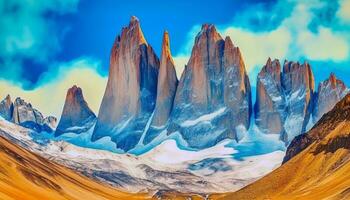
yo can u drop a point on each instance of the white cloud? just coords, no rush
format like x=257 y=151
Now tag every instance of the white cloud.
x=325 y=45
x=292 y=39
x=344 y=10
x=50 y=97
x=180 y=61
x=257 y=47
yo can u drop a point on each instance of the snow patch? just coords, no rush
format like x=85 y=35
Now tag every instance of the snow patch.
x=203 y=118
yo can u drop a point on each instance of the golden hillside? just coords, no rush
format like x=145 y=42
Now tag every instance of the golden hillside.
x=25 y=176
x=320 y=171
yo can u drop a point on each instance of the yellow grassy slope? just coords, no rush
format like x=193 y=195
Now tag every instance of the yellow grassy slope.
x=309 y=175
x=26 y=176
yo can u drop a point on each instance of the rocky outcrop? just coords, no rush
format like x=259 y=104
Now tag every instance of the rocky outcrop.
x=76 y=116
x=270 y=100
x=298 y=85
x=284 y=101
x=27 y=116
x=131 y=91
x=6 y=108
x=328 y=94
x=213 y=97
x=49 y=124
x=328 y=122
x=166 y=89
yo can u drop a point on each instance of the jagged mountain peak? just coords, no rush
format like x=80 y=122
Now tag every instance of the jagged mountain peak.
x=228 y=43
x=131 y=89
x=166 y=89
x=271 y=66
x=214 y=78
x=76 y=113
x=208 y=33
x=24 y=114
x=8 y=98
x=6 y=108
x=166 y=53
x=75 y=92
x=329 y=92
x=133 y=31
x=334 y=81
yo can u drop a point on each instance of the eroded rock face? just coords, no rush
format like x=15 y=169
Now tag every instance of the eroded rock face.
x=76 y=116
x=166 y=89
x=270 y=100
x=6 y=108
x=25 y=115
x=328 y=94
x=49 y=124
x=131 y=91
x=284 y=102
x=298 y=85
x=213 y=97
x=340 y=113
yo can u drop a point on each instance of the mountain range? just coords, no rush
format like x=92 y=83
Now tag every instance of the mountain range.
x=211 y=102
x=201 y=134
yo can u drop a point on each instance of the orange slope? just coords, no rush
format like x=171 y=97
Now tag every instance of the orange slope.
x=25 y=176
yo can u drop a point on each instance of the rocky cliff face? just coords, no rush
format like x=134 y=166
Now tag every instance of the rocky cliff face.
x=22 y=113
x=328 y=122
x=270 y=100
x=213 y=97
x=131 y=91
x=328 y=94
x=166 y=89
x=298 y=84
x=76 y=116
x=6 y=108
x=284 y=100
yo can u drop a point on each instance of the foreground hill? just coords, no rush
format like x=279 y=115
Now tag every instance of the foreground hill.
x=320 y=171
x=25 y=175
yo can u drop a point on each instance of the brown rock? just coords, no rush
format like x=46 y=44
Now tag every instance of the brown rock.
x=166 y=89
x=76 y=116
x=131 y=90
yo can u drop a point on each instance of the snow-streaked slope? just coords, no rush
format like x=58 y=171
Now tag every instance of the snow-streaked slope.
x=25 y=175
x=162 y=167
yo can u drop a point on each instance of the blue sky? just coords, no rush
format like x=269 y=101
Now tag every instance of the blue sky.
x=44 y=44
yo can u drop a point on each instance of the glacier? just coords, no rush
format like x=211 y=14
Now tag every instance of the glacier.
x=160 y=165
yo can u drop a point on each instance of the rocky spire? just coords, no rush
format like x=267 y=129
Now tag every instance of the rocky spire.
x=76 y=116
x=214 y=83
x=298 y=85
x=131 y=89
x=6 y=108
x=269 y=106
x=167 y=84
x=329 y=92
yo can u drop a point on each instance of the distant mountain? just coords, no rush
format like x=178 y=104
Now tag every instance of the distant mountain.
x=329 y=92
x=22 y=113
x=76 y=116
x=317 y=163
x=284 y=99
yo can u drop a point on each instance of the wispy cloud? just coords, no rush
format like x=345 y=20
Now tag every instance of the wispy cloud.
x=50 y=97
x=289 y=37
x=29 y=32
